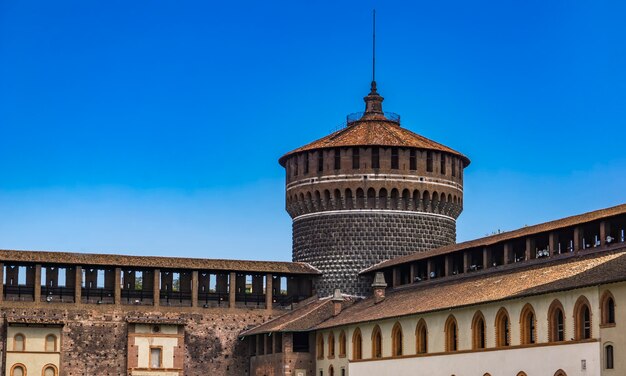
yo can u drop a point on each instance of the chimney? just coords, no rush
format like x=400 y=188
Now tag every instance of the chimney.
x=337 y=300
x=379 y=287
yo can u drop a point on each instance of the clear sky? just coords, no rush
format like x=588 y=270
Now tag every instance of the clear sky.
x=154 y=128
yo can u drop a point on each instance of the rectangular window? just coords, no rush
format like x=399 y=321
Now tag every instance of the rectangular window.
x=337 y=159
x=453 y=167
x=443 y=164
x=356 y=161
x=320 y=161
x=394 y=158
x=306 y=163
x=429 y=161
x=375 y=157
x=156 y=357
x=413 y=160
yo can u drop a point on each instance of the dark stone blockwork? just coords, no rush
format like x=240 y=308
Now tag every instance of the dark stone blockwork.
x=341 y=245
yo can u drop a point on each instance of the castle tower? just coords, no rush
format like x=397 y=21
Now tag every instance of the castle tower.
x=370 y=192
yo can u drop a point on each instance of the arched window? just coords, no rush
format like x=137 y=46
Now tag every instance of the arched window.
x=503 y=328
x=556 y=322
x=560 y=373
x=357 y=345
x=349 y=199
x=51 y=343
x=395 y=198
x=582 y=319
x=521 y=373
x=342 y=344
x=18 y=370
x=528 y=325
x=396 y=340
x=19 y=342
x=320 y=346
x=331 y=345
x=50 y=370
x=451 y=328
x=377 y=343
x=331 y=371
x=607 y=307
x=360 y=198
x=608 y=357
x=421 y=337
x=479 y=340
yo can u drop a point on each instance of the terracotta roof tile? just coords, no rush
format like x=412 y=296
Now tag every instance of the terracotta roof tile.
x=490 y=240
x=558 y=275
x=156 y=262
x=378 y=132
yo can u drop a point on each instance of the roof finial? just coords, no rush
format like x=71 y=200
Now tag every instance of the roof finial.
x=374 y=51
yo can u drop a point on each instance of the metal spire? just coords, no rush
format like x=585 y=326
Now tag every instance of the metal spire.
x=374 y=47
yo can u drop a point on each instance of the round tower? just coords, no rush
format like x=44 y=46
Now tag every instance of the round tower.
x=370 y=192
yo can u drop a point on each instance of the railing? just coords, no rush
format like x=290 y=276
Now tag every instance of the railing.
x=356 y=116
x=137 y=297
x=288 y=300
x=97 y=295
x=53 y=294
x=209 y=299
x=246 y=299
x=19 y=292
x=176 y=298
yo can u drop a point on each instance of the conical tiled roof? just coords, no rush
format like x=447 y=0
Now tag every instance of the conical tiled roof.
x=374 y=129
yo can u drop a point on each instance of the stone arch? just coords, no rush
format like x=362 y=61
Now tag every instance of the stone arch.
x=327 y=201
x=377 y=343
x=382 y=199
x=371 y=198
x=556 y=322
x=607 y=308
x=528 y=325
x=452 y=334
x=397 y=340
x=503 y=328
x=417 y=199
x=582 y=319
x=357 y=345
x=434 y=204
x=349 y=199
x=421 y=337
x=560 y=373
x=360 y=198
x=395 y=195
x=425 y=201
x=318 y=200
x=309 y=202
x=338 y=204
x=406 y=199
x=479 y=331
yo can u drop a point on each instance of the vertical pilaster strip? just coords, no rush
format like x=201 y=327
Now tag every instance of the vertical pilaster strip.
x=78 y=284
x=412 y=272
x=578 y=238
x=486 y=258
x=605 y=230
x=37 y=284
x=466 y=261
x=429 y=268
x=117 y=286
x=553 y=243
x=194 y=288
x=232 y=289
x=448 y=265
x=268 y=291
x=507 y=253
x=156 y=288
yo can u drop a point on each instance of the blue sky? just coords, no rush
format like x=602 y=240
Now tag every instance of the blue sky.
x=154 y=128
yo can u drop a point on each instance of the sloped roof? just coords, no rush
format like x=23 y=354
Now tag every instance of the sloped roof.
x=300 y=319
x=490 y=240
x=557 y=275
x=47 y=257
x=376 y=131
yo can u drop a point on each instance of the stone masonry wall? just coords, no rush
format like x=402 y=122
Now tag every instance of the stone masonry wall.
x=342 y=244
x=94 y=340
